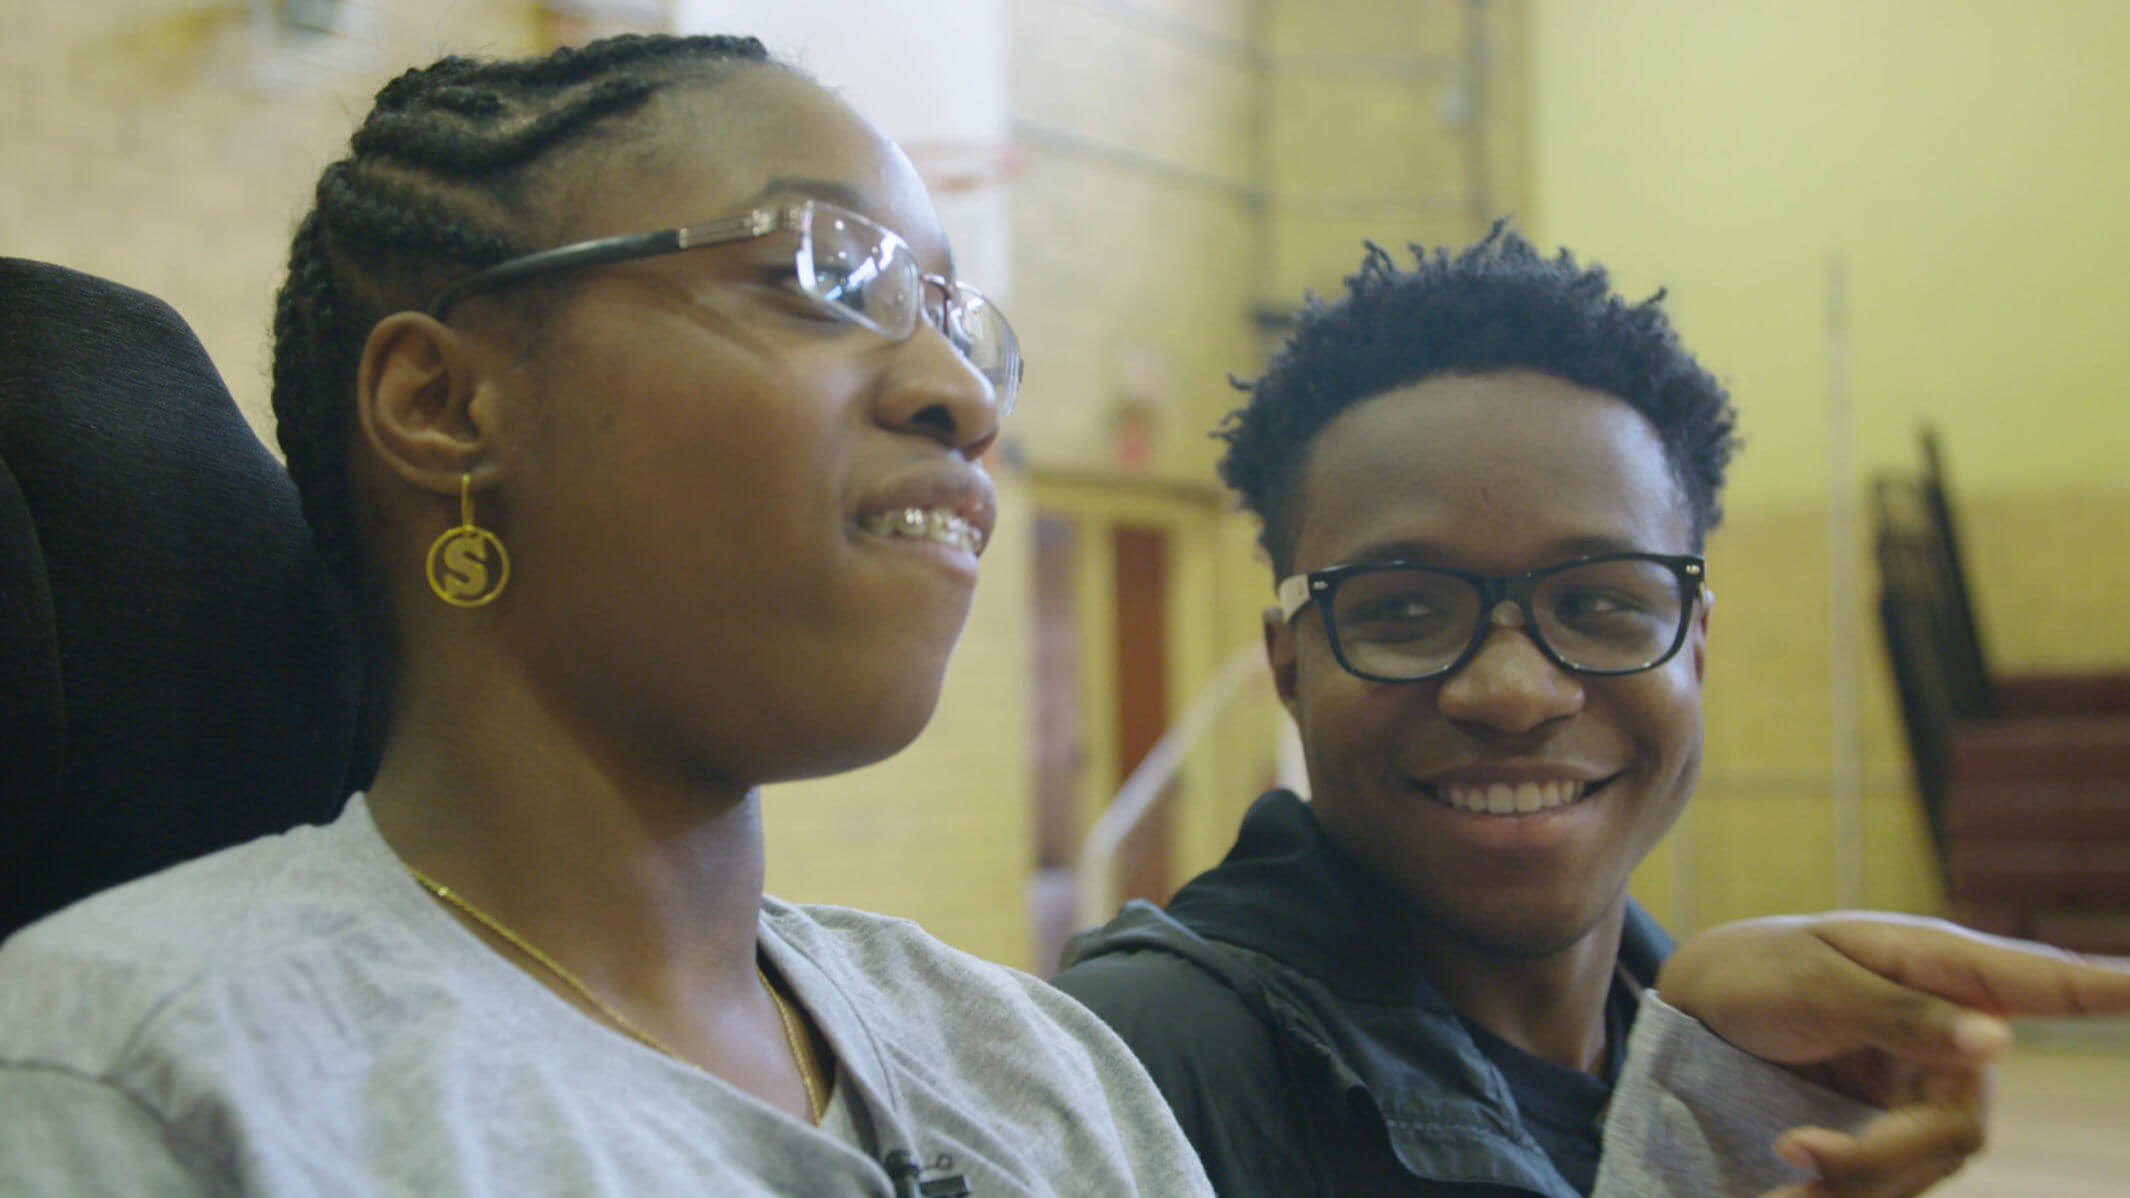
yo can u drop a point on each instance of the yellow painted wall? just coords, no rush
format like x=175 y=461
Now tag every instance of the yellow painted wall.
x=1965 y=162
x=1968 y=159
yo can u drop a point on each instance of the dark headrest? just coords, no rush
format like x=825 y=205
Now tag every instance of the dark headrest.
x=177 y=672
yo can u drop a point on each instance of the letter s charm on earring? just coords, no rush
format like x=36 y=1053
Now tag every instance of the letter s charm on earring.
x=468 y=566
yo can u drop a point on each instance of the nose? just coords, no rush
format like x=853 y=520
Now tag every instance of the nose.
x=1509 y=685
x=931 y=390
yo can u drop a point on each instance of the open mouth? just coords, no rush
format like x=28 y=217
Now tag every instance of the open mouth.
x=937 y=525
x=1512 y=798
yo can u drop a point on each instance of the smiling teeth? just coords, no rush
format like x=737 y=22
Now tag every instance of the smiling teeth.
x=1501 y=798
x=925 y=524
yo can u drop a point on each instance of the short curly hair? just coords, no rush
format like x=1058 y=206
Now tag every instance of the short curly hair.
x=1497 y=305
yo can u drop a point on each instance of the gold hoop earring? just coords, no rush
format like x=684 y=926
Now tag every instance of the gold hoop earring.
x=468 y=566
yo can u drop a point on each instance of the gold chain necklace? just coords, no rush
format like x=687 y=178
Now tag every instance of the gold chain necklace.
x=800 y=1058
x=626 y=1024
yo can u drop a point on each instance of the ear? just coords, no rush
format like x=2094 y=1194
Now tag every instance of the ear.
x=426 y=401
x=1280 y=655
x=1699 y=633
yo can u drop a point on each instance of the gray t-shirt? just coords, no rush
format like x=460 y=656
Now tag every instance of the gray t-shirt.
x=1692 y=1116
x=295 y=1016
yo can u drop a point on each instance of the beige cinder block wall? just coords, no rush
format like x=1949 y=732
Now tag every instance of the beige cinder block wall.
x=1193 y=165
x=171 y=145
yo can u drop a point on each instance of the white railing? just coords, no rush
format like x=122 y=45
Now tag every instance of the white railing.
x=1095 y=881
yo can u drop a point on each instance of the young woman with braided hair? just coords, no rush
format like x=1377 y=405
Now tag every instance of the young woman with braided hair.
x=634 y=531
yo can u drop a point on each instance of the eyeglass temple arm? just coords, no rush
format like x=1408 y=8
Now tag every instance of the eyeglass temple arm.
x=568 y=257
x=604 y=249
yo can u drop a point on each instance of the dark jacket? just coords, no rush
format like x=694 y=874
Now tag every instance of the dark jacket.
x=1303 y=1051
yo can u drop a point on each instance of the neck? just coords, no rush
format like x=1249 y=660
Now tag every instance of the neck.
x=594 y=832
x=1550 y=1004
x=648 y=887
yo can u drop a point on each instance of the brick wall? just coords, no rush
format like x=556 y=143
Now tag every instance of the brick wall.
x=172 y=145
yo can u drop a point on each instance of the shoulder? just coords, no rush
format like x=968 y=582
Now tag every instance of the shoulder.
x=1172 y=993
x=903 y=973
x=1225 y=1069
x=1190 y=1026
x=79 y=988
x=936 y=991
x=862 y=935
x=887 y=952
x=991 y=1050
x=1166 y=1004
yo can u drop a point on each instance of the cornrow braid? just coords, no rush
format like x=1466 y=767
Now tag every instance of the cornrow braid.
x=1497 y=305
x=482 y=138
x=459 y=165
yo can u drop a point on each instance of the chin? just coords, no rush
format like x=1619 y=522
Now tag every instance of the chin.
x=872 y=730
x=1519 y=942
x=1522 y=932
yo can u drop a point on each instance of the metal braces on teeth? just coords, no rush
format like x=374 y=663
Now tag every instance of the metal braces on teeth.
x=919 y=523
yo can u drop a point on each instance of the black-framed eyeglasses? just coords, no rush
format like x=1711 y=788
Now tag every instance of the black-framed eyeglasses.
x=850 y=266
x=1615 y=613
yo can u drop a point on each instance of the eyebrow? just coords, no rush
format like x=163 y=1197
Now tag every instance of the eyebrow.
x=1431 y=554
x=839 y=193
x=835 y=191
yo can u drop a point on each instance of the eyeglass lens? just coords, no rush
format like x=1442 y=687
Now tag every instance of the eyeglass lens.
x=871 y=276
x=1411 y=622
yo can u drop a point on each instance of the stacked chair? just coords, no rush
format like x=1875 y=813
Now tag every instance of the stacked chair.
x=177 y=670
x=2025 y=779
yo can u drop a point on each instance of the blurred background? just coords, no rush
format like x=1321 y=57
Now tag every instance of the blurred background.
x=1871 y=218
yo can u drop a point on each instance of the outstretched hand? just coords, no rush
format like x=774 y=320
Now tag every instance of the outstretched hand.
x=1901 y=1012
